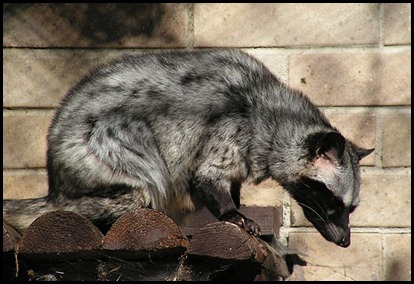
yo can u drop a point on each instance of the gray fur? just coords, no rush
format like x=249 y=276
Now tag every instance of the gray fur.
x=177 y=130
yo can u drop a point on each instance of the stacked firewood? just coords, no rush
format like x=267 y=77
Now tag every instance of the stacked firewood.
x=141 y=245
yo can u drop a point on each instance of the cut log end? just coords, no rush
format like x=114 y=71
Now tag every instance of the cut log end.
x=60 y=231
x=223 y=240
x=227 y=241
x=217 y=251
x=144 y=229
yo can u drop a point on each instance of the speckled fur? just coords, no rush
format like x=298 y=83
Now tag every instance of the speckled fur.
x=177 y=130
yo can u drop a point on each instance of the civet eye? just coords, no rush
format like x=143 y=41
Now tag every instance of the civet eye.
x=331 y=212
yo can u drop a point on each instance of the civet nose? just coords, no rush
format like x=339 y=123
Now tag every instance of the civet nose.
x=345 y=241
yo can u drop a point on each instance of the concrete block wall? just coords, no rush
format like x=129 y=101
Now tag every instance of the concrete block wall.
x=352 y=60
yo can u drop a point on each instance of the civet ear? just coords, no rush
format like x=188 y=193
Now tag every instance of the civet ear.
x=362 y=152
x=332 y=145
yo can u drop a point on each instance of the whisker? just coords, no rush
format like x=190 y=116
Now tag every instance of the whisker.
x=323 y=211
x=304 y=184
x=316 y=202
x=310 y=208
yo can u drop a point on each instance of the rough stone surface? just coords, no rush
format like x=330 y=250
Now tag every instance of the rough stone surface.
x=396 y=140
x=30 y=184
x=398 y=257
x=116 y=25
x=40 y=78
x=271 y=24
x=362 y=260
x=397 y=26
x=267 y=193
x=24 y=141
x=353 y=79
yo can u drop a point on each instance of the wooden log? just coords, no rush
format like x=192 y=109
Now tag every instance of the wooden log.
x=144 y=230
x=60 y=232
x=224 y=240
x=141 y=245
x=232 y=247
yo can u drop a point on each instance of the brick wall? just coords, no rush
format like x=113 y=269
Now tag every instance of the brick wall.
x=353 y=60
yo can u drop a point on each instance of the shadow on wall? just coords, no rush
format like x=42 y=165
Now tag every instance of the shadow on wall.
x=40 y=77
x=82 y=24
x=395 y=271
